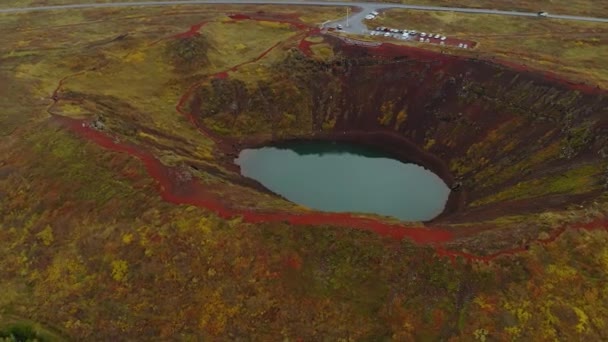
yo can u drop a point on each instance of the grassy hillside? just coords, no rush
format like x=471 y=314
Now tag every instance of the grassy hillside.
x=574 y=49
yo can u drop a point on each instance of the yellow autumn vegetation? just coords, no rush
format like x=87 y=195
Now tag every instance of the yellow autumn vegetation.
x=120 y=268
x=46 y=235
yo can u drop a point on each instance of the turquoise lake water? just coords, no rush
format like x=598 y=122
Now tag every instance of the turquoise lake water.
x=337 y=177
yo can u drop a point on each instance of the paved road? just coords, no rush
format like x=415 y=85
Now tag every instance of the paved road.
x=357 y=22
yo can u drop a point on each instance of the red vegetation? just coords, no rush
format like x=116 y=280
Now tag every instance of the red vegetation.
x=221 y=75
x=239 y=17
x=193 y=31
x=294 y=262
x=304 y=46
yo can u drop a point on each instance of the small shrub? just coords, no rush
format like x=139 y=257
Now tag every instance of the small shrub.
x=20 y=333
x=189 y=52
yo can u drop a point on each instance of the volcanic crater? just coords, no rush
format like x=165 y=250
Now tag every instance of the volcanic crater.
x=525 y=151
x=512 y=142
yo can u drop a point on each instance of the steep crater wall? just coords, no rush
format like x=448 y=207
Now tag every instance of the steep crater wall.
x=516 y=141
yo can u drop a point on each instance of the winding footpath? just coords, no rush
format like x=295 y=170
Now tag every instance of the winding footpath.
x=366 y=7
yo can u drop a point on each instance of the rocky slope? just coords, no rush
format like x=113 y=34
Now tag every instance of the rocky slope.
x=512 y=141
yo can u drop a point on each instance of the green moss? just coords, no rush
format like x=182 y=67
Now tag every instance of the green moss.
x=323 y=51
x=477 y=154
x=462 y=316
x=505 y=169
x=25 y=332
x=576 y=140
x=77 y=165
x=576 y=181
x=20 y=333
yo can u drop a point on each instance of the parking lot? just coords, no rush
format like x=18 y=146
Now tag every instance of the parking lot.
x=421 y=37
x=359 y=25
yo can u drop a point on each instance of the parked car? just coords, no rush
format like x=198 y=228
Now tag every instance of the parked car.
x=437 y=36
x=414 y=32
x=374 y=13
x=369 y=17
x=423 y=34
x=387 y=34
x=339 y=27
x=444 y=38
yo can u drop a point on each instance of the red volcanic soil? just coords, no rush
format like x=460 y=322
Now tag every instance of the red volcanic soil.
x=305 y=45
x=176 y=190
x=193 y=31
x=193 y=193
x=239 y=17
x=221 y=75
